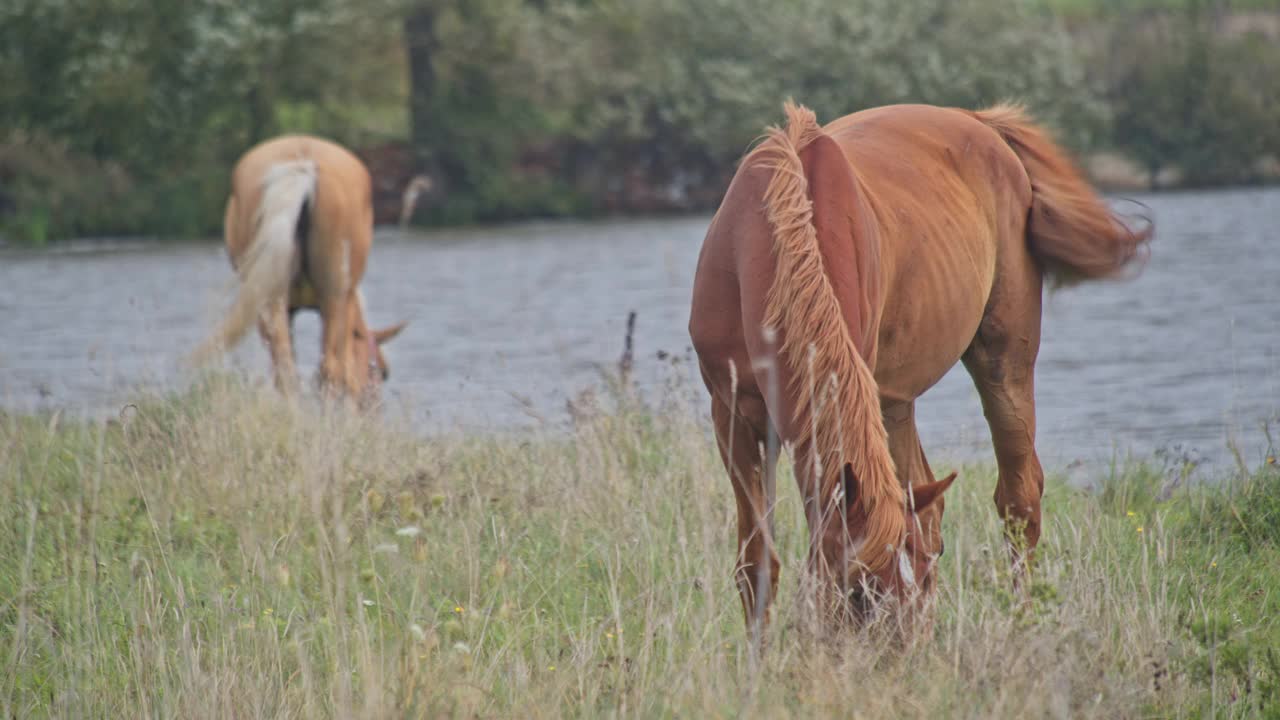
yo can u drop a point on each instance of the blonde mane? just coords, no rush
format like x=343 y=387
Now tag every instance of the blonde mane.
x=835 y=393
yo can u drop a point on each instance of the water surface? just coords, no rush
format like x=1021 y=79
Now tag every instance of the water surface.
x=508 y=323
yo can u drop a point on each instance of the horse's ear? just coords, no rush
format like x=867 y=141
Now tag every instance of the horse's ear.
x=849 y=483
x=926 y=493
x=385 y=334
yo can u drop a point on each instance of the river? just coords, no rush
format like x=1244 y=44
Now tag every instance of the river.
x=507 y=323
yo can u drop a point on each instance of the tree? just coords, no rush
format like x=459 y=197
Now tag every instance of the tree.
x=155 y=100
x=681 y=88
x=1189 y=98
x=472 y=105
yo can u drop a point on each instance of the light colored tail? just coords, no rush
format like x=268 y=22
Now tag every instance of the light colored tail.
x=267 y=266
x=1071 y=231
x=817 y=341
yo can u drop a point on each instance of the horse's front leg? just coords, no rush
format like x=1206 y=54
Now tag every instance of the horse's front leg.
x=912 y=465
x=740 y=434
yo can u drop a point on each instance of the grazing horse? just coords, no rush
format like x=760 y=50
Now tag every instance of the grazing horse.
x=848 y=268
x=298 y=227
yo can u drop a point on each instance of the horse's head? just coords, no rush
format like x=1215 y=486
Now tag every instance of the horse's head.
x=370 y=369
x=898 y=574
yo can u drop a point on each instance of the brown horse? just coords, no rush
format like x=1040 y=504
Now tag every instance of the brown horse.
x=848 y=268
x=298 y=227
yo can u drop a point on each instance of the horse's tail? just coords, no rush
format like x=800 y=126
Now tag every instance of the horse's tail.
x=1071 y=231
x=817 y=342
x=267 y=265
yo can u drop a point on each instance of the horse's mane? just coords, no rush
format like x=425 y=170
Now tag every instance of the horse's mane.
x=818 y=346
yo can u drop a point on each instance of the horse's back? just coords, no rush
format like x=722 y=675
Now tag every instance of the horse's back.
x=939 y=179
x=342 y=178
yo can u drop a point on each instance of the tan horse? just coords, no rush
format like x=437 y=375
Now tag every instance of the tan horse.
x=298 y=227
x=848 y=268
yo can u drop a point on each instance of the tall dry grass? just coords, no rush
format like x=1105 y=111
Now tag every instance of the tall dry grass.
x=225 y=554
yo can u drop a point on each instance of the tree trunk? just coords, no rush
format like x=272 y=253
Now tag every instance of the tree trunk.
x=259 y=114
x=420 y=43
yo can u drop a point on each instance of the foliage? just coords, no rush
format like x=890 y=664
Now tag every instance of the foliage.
x=520 y=108
x=1189 y=98
x=162 y=98
x=475 y=108
x=676 y=88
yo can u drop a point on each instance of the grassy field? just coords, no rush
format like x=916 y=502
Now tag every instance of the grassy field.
x=222 y=554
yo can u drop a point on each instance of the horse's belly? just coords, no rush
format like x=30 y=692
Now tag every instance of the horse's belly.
x=928 y=322
x=302 y=294
x=909 y=363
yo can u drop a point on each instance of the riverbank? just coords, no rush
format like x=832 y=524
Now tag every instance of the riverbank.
x=1114 y=172
x=1111 y=173
x=222 y=553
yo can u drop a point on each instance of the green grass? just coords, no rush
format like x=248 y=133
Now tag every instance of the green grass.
x=222 y=554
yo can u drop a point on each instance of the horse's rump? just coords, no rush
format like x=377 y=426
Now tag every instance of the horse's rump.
x=269 y=262
x=1070 y=229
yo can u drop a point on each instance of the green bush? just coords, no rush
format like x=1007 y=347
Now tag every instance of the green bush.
x=1247 y=512
x=124 y=116
x=54 y=192
x=685 y=87
x=130 y=114
x=1186 y=97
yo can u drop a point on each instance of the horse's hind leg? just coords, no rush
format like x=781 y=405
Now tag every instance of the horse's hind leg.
x=741 y=433
x=335 y=345
x=1002 y=362
x=330 y=275
x=276 y=329
x=911 y=463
